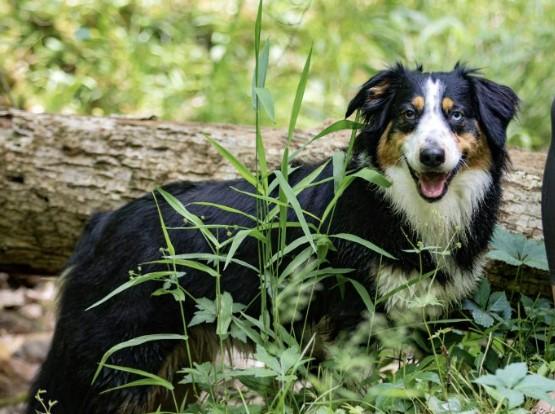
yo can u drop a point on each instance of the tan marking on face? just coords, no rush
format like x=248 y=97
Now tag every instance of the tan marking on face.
x=447 y=104
x=390 y=147
x=378 y=90
x=418 y=103
x=475 y=150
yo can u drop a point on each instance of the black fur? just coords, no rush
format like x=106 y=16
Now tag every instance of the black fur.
x=116 y=242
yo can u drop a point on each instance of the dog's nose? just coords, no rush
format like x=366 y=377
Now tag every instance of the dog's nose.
x=432 y=156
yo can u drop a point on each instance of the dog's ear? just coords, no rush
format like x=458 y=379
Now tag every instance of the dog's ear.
x=376 y=95
x=497 y=106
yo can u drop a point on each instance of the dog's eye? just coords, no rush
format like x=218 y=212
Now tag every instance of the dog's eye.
x=409 y=114
x=456 y=115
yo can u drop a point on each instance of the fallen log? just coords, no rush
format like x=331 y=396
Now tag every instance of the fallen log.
x=55 y=170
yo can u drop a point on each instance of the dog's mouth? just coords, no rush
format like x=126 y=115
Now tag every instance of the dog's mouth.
x=432 y=185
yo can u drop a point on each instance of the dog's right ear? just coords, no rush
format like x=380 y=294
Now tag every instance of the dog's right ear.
x=375 y=96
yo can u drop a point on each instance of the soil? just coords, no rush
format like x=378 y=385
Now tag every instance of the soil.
x=27 y=314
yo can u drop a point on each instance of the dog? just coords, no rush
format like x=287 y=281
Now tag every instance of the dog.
x=439 y=137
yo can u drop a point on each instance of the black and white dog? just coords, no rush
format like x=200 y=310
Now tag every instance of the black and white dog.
x=440 y=139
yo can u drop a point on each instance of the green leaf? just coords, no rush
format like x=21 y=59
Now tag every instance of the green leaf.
x=309 y=179
x=514 y=398
x=300 y=259
x=337 y=126
x=263 y=59
x=237 y=333
x=372 y=176
x=292 y=199
x=491 y=380
x=259 y=380
x=225 y=208
x=167 y=238
x=295 y=110
x=209 y=257
x=359 y=240
x=132 y=343
x=206 y=312
x=512 y=374
x=262 y=64
x=289 y=358
x=263 y=356
x=516 y=250
x=224 y=315
x=537 y=387
x=481 y=295
x=238 y=239
x=504 y=257
x=181 y=210
x=134 y=281
x=498 y=303
x=178 y=295
x=192 y=264
x=364 y=295
x=241 y=168
x=481 y=317
x=290 y=247
x=331 y=205
x=537 y=382
x=265 y=98
x=149 y=380
x=341 y=125
x=338 y=164
x=257 y=29
x=535 y=255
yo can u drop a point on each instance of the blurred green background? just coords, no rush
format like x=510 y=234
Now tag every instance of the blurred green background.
x=193 y=59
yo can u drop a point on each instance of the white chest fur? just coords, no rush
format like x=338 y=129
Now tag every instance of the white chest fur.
x=439 y=226
x=422 y=294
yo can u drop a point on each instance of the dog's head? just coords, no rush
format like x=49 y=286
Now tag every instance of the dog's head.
x=435 y=125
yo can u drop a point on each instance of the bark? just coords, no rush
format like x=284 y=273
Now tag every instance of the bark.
x=55 y=170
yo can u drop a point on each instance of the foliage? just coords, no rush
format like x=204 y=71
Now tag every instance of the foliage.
x=517 y=250
x=45 y=405
x=495 y=359
x=189 y=59
x=512 y=383
x=486 y=308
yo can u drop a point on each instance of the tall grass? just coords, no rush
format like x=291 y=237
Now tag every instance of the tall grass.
x=380 y=367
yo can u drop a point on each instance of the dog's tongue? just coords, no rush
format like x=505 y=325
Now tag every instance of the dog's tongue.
x=432 y=185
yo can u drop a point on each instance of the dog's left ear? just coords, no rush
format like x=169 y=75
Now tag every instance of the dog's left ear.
x=497 y=106
x=375 y=96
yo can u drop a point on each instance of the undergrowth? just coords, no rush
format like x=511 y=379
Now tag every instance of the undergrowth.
x=493 y=355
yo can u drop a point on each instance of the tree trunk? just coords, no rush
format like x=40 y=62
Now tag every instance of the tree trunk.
x=55 y=170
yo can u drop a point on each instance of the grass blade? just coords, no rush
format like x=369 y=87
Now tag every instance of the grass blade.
x=337 y=126
x=292 y=199
x=265 y=98
x=137 y=280
x=241 y=168
x=148 y=380
x=225 y=208
x=364 y=295
x=180 y=208
x=363 y=242
x=299 y=95
x=372 y=176
x=238 y=240
x=132 y=343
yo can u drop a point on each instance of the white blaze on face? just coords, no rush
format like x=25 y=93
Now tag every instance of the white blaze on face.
x=432 y=130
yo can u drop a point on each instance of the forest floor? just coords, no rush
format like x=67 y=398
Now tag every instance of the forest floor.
x=27 y=313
